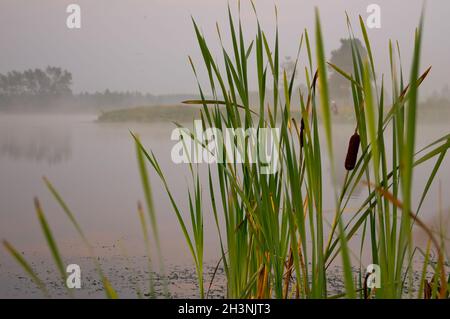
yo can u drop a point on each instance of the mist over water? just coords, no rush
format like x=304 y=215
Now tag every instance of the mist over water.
x=93 y=166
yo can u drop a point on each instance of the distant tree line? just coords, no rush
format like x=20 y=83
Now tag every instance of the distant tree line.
x=34 y=86
x=340 y=89
x=52 y=81
x=438 y=98
x=113 y=99
x=51 y=88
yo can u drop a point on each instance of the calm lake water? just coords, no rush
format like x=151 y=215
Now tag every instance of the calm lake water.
x=94 y=168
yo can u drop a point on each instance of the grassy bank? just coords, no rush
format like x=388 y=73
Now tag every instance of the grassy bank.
x=428 y=114
x=149 y=114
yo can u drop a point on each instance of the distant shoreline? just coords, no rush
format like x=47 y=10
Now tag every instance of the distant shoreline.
x=187 y=113
x=148 y=114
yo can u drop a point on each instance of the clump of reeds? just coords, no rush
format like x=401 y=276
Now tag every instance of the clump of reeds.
x=264 y=222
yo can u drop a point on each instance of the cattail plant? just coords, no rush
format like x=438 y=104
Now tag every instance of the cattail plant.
x=302 y=129
x=352 y=152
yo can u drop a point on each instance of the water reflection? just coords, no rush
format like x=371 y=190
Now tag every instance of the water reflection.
x=39 y=144
x=101 y=181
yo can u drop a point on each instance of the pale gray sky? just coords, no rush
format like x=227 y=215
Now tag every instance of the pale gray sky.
x=143 y=44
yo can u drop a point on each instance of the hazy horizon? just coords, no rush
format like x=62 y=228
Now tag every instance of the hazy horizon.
x=143 y=45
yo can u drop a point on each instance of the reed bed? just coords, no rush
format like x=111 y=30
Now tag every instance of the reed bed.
x=274 y=238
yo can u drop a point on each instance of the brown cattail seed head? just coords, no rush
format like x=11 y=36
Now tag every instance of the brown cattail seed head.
x=352 y=153
x=302 y=128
